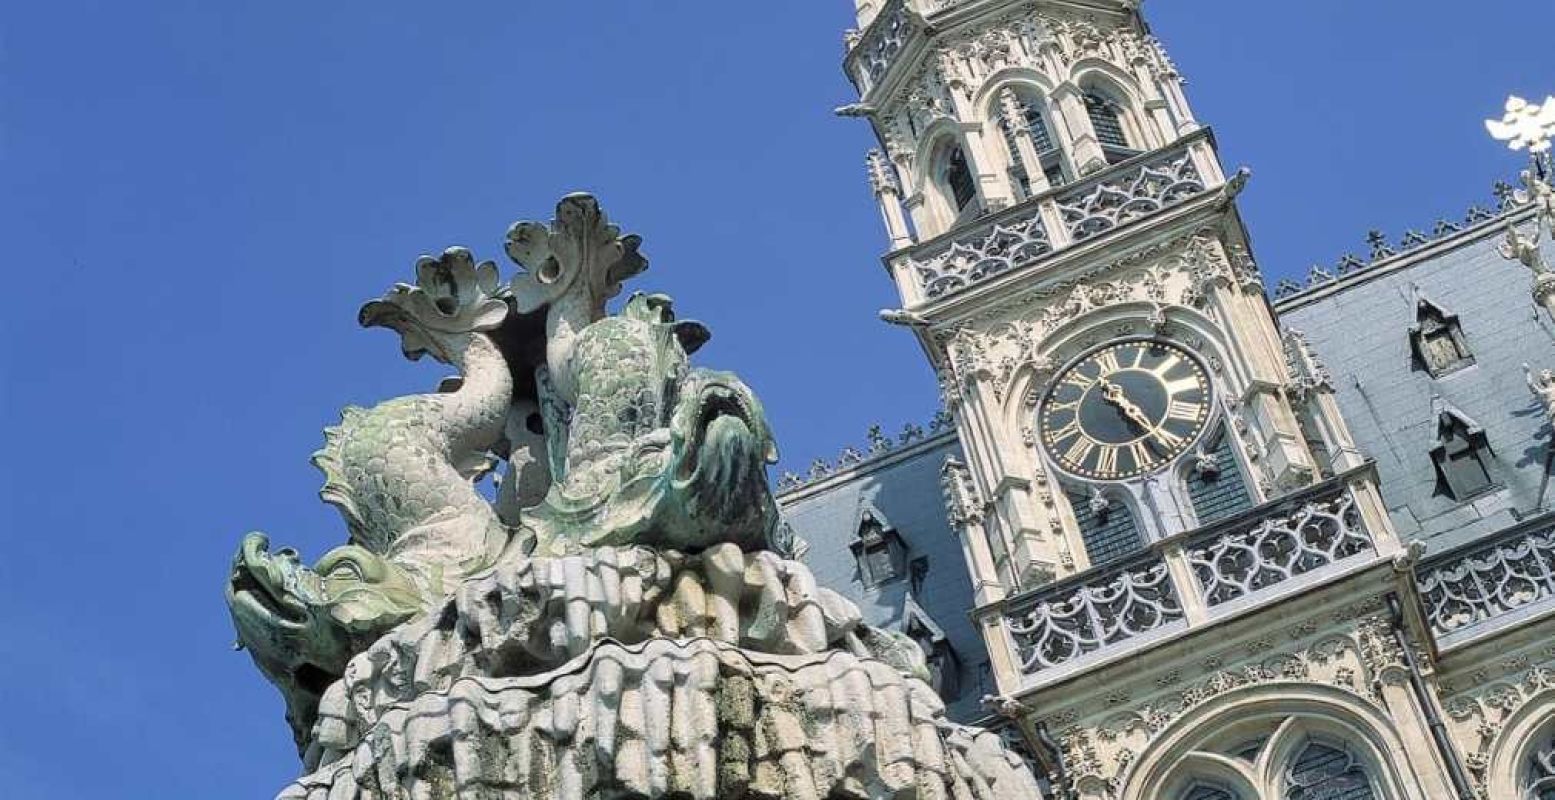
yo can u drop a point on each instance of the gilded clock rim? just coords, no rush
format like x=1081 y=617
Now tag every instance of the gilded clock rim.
x=1201 y=421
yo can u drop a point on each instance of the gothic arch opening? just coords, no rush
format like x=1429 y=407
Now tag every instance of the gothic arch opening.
x=1277 y=742
x=1030 y=132
x=1113 y=117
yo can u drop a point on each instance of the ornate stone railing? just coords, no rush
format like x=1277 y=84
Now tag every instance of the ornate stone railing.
x=872 y=50
x=1128 y=194
x=1043 y=225
x=1189 y=581
x=1074 y=618
x=984 y=254
x=1467 y=587
x=1248 y=558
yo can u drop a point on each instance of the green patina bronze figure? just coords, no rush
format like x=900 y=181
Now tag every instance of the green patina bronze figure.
x=615 y=620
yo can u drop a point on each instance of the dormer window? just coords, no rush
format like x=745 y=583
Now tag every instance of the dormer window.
x=1107 y=121
x=880 y=552
x=958 y=176
x=1436 y=340
x=1462 y=457
x=940 y=657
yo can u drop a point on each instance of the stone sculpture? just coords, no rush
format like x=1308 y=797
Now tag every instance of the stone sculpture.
x=1542 y=385
x=619 y=621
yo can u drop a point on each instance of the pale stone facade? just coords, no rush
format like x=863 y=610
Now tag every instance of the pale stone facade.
x=1286 y=609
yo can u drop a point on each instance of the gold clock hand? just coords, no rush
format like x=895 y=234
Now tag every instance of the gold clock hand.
x=1113 y=393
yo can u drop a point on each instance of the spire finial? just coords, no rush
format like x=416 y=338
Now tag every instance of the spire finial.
x=1525 y=125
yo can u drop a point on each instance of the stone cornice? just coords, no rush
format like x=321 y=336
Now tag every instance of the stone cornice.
x=792 y=494
x=1355 y=272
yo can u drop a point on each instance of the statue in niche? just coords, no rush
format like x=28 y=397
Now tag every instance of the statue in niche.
x=625 y=617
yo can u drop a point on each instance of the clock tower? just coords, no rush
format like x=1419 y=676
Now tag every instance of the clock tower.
x=1135 y=425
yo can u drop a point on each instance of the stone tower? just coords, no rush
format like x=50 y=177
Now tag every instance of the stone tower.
x=1154 y=471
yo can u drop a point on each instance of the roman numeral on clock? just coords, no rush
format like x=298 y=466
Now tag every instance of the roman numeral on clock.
x=1183 y=410
x=1079 y=380
x=1107 y=460
x=1167 y=438
x=1140 y=454
x=1079 y=451
x=1108 y=361
x=1179 y=385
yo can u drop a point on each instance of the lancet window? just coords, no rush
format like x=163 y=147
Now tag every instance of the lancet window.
x=1327 y=773
x=1215 y=482
x=1314 y=769
x=1539 y=775
x=1107 y=121
x=1107 y=527
x=960 y=181
x=1203 y=792
x=1028 y=117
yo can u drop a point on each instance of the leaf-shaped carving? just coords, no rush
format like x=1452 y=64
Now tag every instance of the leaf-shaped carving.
x=452 y=295
x=580 y=243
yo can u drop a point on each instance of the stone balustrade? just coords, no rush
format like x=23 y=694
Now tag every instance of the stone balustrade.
x=1188 y=581
x=1104 y=607
x=1041 y=226
x=1502 y=579
x=1235 y=563
x=872 y=51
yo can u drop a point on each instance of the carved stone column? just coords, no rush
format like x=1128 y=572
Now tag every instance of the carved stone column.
x=1312 y=391
x=888 y=193
x=996 y=192
x=1013 y=112
x=998 y=470
x=1227 y=289
x=1085 y=148
x=966 y=511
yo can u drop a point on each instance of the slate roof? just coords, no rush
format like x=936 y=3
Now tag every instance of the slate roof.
x=904 y=489
x=1357 y=320
x=1358 y=326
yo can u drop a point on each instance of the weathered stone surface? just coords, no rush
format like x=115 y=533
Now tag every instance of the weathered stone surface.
x=615 y=623
x=687 y=718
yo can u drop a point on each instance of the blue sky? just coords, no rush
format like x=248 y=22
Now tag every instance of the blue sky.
x=205 y=192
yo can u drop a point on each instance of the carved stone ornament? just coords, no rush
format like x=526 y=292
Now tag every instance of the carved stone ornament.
x=1542 y=384
x=625 y=619
x=1177 y=273
x=1481 y=702
x=1102 y=735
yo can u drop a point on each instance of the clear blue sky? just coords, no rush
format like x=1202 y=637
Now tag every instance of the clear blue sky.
x=196 y=196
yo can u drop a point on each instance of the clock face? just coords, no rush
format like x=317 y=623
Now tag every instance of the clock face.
x=1125 y=410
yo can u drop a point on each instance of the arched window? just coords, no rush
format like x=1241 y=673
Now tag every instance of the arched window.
x=1107 y=120
x=1539 y=779
x=1202 y=792
x=1106 y=526
x=1029 y=108
x=1215 y=483
x=1321 y=772
x=958 y=177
